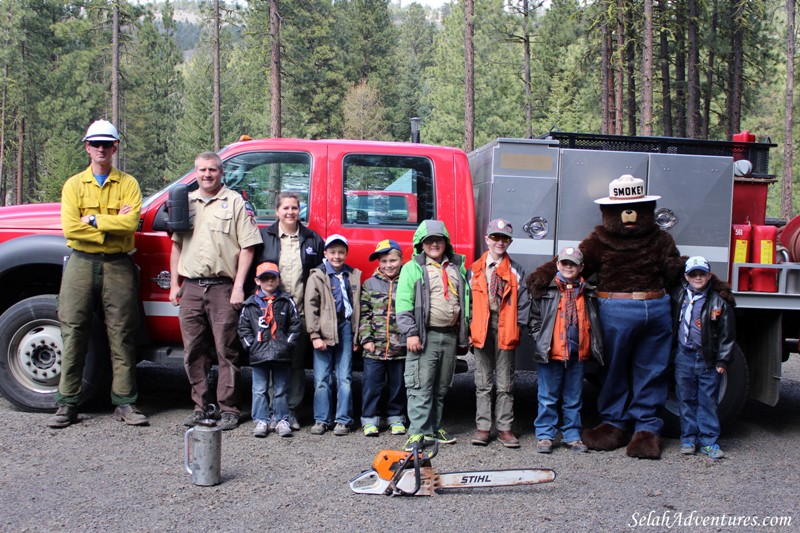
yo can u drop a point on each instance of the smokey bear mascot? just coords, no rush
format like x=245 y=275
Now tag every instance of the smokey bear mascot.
x=635 y=263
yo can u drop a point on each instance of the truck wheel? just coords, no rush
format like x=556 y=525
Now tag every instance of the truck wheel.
x=732 y=394
x=30 y=355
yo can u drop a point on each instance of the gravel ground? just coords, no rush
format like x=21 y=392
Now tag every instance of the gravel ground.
x=100 y=475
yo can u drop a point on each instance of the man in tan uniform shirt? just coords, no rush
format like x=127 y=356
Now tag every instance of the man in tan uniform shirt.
x=213 y=258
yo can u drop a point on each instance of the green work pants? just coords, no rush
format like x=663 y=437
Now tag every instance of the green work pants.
x=94 y=283
x=493 y=364
x=428 y=377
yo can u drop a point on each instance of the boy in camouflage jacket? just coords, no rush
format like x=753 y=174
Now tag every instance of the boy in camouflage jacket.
x=384 y=346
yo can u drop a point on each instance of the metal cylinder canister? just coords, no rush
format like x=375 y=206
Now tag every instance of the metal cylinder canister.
x=202 y=454
x=763 y=251
x=740 y=253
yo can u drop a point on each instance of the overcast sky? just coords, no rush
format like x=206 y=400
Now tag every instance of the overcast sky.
x=431 y=3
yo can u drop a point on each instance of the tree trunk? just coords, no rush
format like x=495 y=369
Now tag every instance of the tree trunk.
x=605 y=69
x=735 y=70
x=20 y=160
x=630 y=67
x=680 y=69
x=526 y=44
x=115 y=72
x=647 y=70
x=469 y=75
x=786 y=188
x=275 y=66
x=710 y=71
x=3 y=182
x=216 y=82
x=693 y=88
x=620 y=54
x=663 y=54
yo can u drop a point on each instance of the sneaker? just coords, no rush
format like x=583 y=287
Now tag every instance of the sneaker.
x=370 y=430
x=340 y=430
x=319 y=428
x=273 y=422
x=65 y=415
x=261 y=430
x=712 y=451
x=228 y=421
x=544 y=446
x=417 y=439
x=129 y=414
x=577 y=446
x=443 y=437
x=398 y=428
x=688 y=448
x=194 y=418
x=283 y=428
x=294 y=424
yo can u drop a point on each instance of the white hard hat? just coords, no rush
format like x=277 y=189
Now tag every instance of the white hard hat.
x=101 y=130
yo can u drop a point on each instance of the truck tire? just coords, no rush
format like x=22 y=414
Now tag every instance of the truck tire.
x=30 y=355
x=732 y=395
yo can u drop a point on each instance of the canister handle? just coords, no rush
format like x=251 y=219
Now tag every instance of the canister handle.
x=186 y=450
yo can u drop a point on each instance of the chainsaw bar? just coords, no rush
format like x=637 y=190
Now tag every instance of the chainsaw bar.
x=493 y=478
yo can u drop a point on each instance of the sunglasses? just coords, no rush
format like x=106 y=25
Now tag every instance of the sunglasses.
x=433 y=240
x=505 y=239
x=101 y=144
x=566 y=263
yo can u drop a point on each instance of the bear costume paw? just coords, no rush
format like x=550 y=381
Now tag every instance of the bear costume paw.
x=604 y=437
x=645 y=445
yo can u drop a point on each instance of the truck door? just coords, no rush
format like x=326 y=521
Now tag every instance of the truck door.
x=696 y=197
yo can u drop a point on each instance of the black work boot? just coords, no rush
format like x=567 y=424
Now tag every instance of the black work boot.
x=65 y=415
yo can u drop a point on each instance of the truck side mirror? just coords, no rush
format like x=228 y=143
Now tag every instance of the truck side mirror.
x=178 y=208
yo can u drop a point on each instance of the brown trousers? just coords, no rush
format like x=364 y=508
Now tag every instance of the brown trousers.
x=205 y=310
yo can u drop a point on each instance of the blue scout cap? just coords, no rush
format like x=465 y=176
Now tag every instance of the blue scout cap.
x=383 y=247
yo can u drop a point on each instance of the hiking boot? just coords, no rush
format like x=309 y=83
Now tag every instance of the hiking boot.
x=340 y=430
x=712 y=451
x=194 y=418
x=480 y=437
x=398 y=428
x=228 y=421
x=261 y=429
x=319 y=428
x=544 y=446
x=65 y=415
x=283 y=429
x=418 y=440
x=577 y=446
x=370 y=430
x=129 y=414
x=508 y=439
x=688 y=448
x=294 y=424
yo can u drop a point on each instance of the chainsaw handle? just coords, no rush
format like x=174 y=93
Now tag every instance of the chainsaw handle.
x=413 y=456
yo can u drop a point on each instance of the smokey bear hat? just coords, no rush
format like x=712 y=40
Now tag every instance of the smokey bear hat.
x=626 y=190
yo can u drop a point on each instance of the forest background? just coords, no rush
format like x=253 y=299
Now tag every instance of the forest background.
x=362 y=68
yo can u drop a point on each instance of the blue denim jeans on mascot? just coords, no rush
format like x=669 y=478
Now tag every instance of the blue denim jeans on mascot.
x=335 y=361
x=281 y=373
x=378 y=372
x=637 y=338
x=697 y=388
x=556 y=381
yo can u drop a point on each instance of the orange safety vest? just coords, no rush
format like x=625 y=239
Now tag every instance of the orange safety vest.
x=507 y=327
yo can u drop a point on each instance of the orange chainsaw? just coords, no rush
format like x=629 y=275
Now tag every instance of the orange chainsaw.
x=410 y=473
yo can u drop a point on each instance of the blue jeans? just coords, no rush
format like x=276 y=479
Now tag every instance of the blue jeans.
x=697 y=388
x=334 y=361
x=280 y=397
x=557 y=381
x=637 y=337
x=378 y=372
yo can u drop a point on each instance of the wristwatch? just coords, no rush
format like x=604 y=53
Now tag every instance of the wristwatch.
x=93 y=220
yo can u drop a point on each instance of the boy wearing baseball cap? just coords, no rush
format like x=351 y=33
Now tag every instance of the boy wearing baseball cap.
x=704 y=347
x=332 y=297
x=384 y=346
x=499 y=308
x=565 y=329
x=269 y=328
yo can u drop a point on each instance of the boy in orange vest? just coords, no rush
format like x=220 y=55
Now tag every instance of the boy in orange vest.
x=499 y=307
x=566 y=332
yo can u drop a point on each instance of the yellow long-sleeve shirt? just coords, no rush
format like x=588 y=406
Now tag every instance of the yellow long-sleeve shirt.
x=82 y=196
